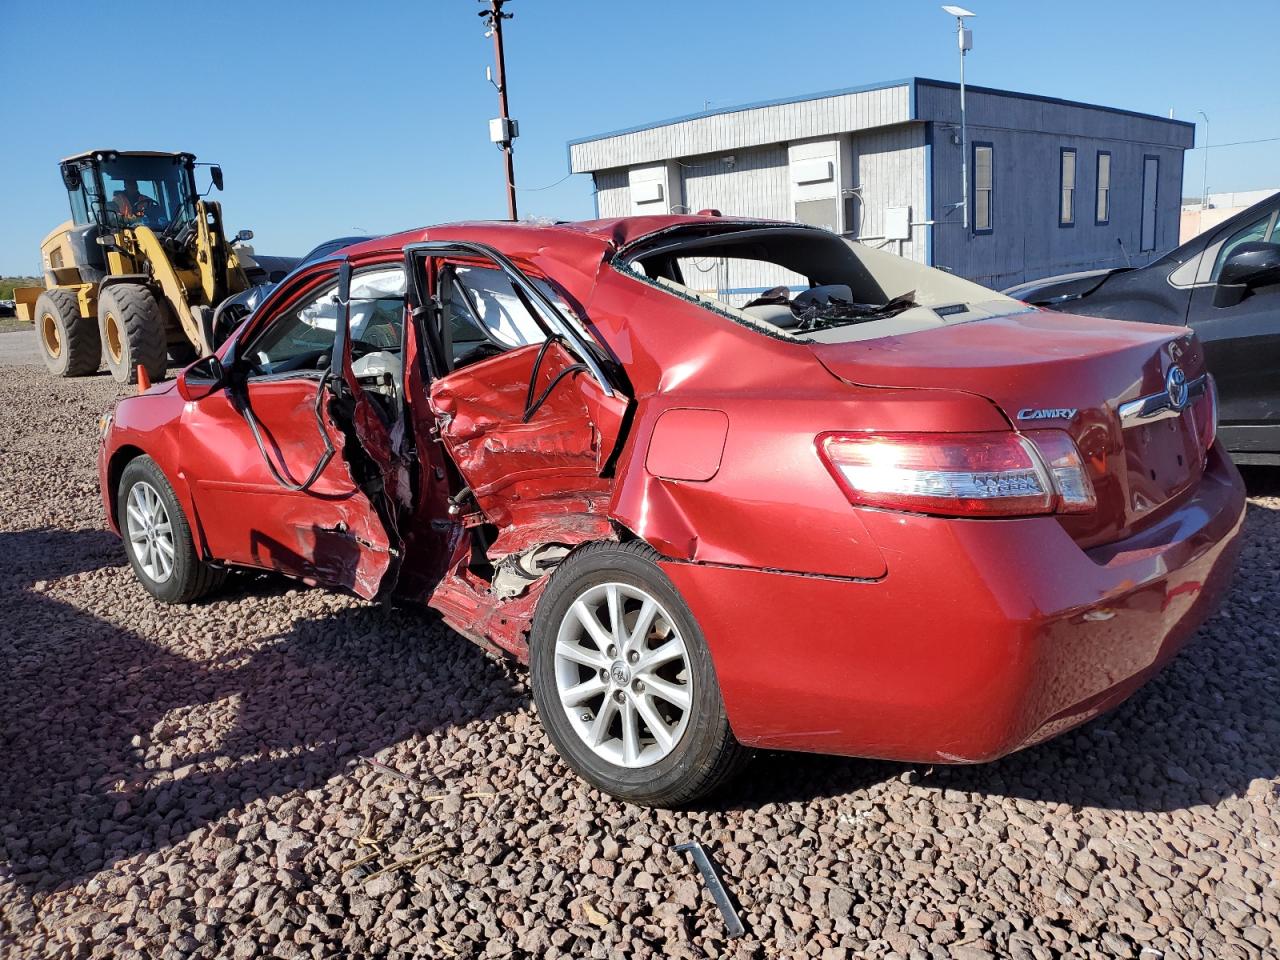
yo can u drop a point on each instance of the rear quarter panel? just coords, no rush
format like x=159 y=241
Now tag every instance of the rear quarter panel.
x=769 y=503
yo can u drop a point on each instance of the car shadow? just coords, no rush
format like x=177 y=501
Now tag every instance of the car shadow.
x=114 y=745
x=1200 y=732
x=1261 y=481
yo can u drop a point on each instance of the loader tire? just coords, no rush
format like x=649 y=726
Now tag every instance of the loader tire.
x=69 y=342
x=131 y=322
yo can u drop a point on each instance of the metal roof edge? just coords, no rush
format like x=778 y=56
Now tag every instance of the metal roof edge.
x=739 y=108
x=912 y=83
x=972 y=88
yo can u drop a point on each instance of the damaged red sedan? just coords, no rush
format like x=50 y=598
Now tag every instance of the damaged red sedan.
x=722 y=483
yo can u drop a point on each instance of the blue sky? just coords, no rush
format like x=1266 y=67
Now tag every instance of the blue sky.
x=335 y=118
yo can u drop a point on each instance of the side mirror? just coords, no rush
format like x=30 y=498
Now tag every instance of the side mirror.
x=244 y=236
x=71 y=177
x=215 y=173
x=1252 y=264
x=201 y=378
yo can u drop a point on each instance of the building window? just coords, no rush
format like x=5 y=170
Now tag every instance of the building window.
x=1067 y=193
x=1150 y=201
x=982 y=186
x=1102 y=212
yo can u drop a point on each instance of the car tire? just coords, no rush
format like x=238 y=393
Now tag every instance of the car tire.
x=157 y=536
x=69 y=342
x=131 y=323
x=695 y=752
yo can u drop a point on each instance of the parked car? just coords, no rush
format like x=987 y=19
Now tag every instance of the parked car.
x=880 y=512
x=1225 y=285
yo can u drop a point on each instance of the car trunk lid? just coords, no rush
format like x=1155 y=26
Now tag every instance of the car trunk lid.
x=1055 y=371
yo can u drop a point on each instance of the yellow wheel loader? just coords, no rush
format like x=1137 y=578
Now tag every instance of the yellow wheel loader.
x=134 y=276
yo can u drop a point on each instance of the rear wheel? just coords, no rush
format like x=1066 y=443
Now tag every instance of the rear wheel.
x=623 y=680
x=132 y=325
x=158 y=538
x=68 y=342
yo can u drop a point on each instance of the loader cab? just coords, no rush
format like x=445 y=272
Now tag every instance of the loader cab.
x=110 y=191
x=115 y=190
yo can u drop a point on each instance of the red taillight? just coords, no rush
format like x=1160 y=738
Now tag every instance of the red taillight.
x=1066 y=468
x=959 y=474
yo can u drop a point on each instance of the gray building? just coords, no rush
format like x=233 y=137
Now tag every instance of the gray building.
x=1055 y=186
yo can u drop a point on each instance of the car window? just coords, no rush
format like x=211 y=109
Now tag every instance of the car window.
x=495 y=308
x=377 y=307
x=301 y=338
x=1258 y=230
x=486 y=315
x=737 y=280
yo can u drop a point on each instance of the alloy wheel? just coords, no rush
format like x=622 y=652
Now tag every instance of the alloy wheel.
x=623 y=675
x=150 y=531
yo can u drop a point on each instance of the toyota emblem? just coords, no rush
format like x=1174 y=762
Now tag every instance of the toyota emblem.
x=1175 y=384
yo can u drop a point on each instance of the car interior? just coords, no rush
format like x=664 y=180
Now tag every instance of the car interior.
x=302 y=338
x=820 y=287
x=483 y=314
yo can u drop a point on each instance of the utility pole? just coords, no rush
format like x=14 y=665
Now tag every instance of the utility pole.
x=502 y=130
x=1204 y=183
x=964 y=38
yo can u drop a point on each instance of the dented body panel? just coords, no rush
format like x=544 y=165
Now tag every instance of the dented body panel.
x=832 y=627
x=325 y=535
x=523 y=468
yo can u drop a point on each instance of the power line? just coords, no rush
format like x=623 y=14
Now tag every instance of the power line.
x=547 y=187
x=1237 y=143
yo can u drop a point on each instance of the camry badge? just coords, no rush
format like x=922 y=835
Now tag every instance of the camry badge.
x=1058 y=413
x=1175 y=384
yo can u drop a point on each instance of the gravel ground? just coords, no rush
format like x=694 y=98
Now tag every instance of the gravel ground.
x=18 y=345
x=189 y=782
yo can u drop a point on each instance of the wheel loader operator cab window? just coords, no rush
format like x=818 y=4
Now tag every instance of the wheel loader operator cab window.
x=146 y=191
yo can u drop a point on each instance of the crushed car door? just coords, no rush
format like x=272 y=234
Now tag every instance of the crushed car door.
x=279 y=478
x=524 y=409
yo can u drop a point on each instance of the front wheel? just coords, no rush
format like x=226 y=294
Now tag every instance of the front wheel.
x=158 y=538
x=624 y=682
x=132 y=323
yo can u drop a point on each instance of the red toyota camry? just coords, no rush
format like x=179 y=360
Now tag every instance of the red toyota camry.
x=722 y=483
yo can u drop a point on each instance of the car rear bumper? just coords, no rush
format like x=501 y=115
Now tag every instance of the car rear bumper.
x=984 y=636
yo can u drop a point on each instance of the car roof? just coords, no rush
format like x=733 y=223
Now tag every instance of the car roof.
x=593 y=238
x=322 y=250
